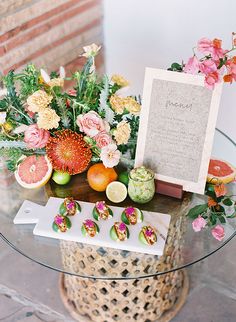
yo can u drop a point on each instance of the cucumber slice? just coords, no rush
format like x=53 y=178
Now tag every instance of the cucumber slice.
x=95 y=214
x=68 y=222
x=97 y=228
x=62 y=210
x=83 y=231
x=77 y=206
x=113 y=234
x=110 y=212
x=142 y=238
x=127 y=231
x=139 y=215
x=124 y=218
x=55 y=227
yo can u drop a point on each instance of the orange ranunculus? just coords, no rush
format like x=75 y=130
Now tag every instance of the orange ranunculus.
x=234 y=58
x=220 y=190
x=211 y=202
x=217 y=43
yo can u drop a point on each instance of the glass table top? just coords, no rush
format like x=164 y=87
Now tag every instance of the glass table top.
x=184 y=247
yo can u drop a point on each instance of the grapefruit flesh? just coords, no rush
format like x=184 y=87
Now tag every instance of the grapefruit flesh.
x=33 y=171
x=220 y=171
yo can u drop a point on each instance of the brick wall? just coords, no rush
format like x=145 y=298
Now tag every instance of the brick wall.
x=48 y=33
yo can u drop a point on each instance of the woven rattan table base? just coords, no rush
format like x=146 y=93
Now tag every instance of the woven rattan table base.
x=142 y=300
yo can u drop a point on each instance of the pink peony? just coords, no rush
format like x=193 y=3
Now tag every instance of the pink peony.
x=218 y=232
x=91 y=123
x=102 y=139
x=192 y=66
x=207 y=66
x=110 y=156
x=36 y=138
x=199 y=223
x=212 y=79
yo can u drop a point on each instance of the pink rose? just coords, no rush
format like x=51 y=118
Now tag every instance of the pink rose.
x=102 y=139
x=208 y=66
x=35 y=137
x=91 y=123
x=192 y=66
x=218 y=232
x=212 y=79
x=199 y=223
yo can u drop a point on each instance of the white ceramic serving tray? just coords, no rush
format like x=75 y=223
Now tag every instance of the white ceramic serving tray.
x=43 y=216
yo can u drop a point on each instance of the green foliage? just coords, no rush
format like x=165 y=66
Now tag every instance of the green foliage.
x=176 y=67
x=197 y=210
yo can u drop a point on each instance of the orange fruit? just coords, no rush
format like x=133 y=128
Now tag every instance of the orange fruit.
x=99 y=176
x=220 y=171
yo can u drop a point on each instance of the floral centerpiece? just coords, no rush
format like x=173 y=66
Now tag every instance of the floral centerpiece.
x=92 y=122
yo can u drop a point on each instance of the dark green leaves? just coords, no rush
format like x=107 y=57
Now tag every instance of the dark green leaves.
x=197 y=210
x=175 y=67
x=227 y=202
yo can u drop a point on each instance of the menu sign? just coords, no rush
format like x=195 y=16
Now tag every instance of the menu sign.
x=177 y=126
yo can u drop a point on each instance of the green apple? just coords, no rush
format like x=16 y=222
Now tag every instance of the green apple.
x=61 y=177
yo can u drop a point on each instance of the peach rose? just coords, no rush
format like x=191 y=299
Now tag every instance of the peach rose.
x=91 y=124
x=102 y=139
x=36 y=138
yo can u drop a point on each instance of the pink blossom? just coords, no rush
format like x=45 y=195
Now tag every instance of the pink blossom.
x=58 y=220
x=211 y=47
x=122 y=227
x=91 y=123
x=102 y=139
x=72 y=92
x=207 y=66
x=205 y=45
x=218 y=232
x=192 y=66
x=100 y=205
x=70 y=205
x=198 y=223
x=212 y=79
x=149 y=232
x=110 y=156
x=35 y=137
x=89 y=223
x=129 y=211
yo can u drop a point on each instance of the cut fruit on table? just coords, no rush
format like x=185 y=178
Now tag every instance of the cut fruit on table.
x=116 y=192
x=220 y=171
x=99 y=176
x=33 y=171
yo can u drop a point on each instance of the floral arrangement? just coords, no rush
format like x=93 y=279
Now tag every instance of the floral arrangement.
x=215 y=212
x=91 y=122
x=211 y=60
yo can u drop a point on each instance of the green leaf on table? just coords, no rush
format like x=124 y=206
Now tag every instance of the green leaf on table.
x=197 y=210
x=227 y=202
x=222 y=219
x=218 y=210
x=213 y=219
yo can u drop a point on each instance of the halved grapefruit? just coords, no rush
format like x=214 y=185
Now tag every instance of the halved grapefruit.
x=33 y=171
x=220 y=171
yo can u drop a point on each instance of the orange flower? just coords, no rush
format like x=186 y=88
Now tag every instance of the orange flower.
x=220 y=190
x=211 y=202
x=234 y=58
x=217 y=43
x=228 y=78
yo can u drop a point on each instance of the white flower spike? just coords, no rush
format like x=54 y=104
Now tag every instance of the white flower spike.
x=45 y=76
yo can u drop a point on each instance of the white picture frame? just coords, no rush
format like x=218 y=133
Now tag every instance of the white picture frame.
x=178 y=114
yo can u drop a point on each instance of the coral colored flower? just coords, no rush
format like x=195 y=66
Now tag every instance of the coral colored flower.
x=72 y=92
x=110 y=156
x=192 y=66
x=102 y=139
x=38 y=101
x=48 y=119
x=211 y=202
x=207 y=66
x=119 y=80
x=122 y=132
x=91 y=123
x=228 y=78
x=212 y=79
x=218 y=232
x=198 y=223
x=36 y=138
x=68 y=152
x=220 y=190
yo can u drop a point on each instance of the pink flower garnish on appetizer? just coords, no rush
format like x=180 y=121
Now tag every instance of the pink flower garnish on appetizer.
x=100 y=205
x=129 y=211
x=70 y=204
x=89 y=223
x=58 y=220
x=122 y=227
x=149 y=232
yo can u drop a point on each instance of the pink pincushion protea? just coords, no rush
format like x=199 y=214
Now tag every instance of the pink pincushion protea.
x=129 y=211
x=122 y=227
x=89 y=223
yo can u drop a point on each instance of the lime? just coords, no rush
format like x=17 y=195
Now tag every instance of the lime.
x=124 y=177
x=61 y=177
x=116 y=191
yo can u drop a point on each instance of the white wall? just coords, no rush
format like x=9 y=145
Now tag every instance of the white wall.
x=155 y=33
